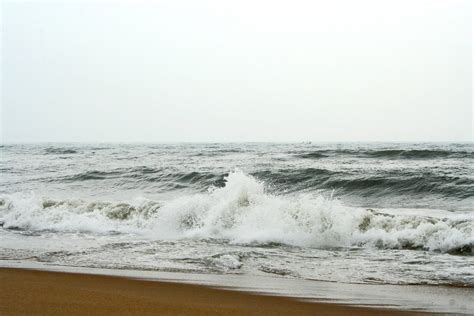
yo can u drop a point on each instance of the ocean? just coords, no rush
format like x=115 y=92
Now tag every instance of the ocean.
x=350 y=213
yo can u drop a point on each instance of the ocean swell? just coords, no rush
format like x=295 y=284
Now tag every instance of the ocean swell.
x=60 y=151
x=344 y=182
x=169 y=179
x=387 y=153
x=382 y=183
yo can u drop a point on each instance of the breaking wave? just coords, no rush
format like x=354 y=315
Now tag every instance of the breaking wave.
x=243 y=212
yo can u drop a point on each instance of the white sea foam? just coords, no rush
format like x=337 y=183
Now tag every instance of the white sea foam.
x=242 y=212
x=227 y=262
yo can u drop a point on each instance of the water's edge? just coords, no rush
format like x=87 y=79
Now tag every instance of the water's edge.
x=433 y=299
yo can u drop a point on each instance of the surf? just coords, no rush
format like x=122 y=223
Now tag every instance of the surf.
x=243 y=211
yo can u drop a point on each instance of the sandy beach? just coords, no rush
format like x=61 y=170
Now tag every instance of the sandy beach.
x=54 y=293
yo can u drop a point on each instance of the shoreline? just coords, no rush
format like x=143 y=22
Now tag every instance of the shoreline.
x=27 y=291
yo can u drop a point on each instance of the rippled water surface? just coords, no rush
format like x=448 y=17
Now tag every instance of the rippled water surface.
x=357 y=213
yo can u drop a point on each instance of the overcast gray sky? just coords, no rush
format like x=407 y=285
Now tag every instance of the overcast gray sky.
x=237 y=70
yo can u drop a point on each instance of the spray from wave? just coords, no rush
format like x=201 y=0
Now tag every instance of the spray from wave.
x=242 y=212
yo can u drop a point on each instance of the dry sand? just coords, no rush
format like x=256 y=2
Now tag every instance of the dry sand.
x=54 y=293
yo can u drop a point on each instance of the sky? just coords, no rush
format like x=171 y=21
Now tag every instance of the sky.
x=236 y=71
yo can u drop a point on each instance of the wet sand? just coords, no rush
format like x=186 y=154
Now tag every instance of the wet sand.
x=55 y=293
